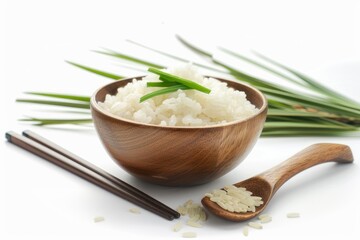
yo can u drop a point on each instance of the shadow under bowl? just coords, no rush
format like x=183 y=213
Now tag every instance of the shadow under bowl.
x=178 y=155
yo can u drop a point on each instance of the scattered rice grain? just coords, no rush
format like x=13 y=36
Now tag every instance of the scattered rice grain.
x=193 y=223
x=255 y=225
x=135 y=210
x=98 y=219
x=293 y=215
x=177 y=227
x=245 y=231
x=265 y=218
x=189 y=235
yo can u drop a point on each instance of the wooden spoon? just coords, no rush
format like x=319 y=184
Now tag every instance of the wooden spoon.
x=267 y=183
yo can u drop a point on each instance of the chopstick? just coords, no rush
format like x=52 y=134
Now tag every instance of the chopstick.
x=69 y=161
x=56 y=148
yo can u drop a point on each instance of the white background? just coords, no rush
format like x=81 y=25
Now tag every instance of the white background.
x=41 y=201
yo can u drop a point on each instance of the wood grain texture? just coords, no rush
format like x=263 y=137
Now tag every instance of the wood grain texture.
x=267 y=183
x=177 y=156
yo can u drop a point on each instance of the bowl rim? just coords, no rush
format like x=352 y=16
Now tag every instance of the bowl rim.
x=94 y=105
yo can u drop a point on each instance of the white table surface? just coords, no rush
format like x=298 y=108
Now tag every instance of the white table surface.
x=40 y=201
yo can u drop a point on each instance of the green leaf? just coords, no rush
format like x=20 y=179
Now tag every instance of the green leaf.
x=172 y=78
x=294 y=113
x=56 y=103
x=301 y=125
x=246 y=59
x=304 y=132
x=312 y=102
x=161 y=84
x=45 y=121
x=61 y=96
x=316 y=85
x=177 y=58
x=194 y=48
x=96 y=71
x=280 y=91
x=129 y=58
x=163 y=91
x=234 y=72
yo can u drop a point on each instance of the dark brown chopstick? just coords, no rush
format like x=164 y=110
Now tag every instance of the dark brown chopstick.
x=63 y=158
x=47 y=143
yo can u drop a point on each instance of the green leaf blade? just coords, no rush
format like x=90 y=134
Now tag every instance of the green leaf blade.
x=46 y=121
x=163 y=91
x=61 y=96
x=161 y=84
x=129 y=58
x=315 y=85
x=56 y=103
x=97 y=71
x=173 y=78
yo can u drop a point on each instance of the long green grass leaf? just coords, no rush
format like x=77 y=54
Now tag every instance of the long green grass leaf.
x=249 y=79
x=45 y=121
x=61 y=96
x=234 y=72
x=129 y=58
x=294 y=113
x=177 y=58
x=194 y=48
x=96 y=71
x=305 y=133
x=316 y=85
x=300 y=125
x=312 y=102
x=246 y=59
x=56 y=103
x=66 y=112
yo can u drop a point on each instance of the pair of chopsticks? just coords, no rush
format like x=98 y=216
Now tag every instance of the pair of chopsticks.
x=59 y=156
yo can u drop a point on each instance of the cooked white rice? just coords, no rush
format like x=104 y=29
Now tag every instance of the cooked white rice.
x=181 y=108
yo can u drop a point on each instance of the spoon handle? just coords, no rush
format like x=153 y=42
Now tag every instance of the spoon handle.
x=310 y=156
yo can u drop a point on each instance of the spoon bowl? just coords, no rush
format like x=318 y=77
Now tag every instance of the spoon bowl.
x=266 y=184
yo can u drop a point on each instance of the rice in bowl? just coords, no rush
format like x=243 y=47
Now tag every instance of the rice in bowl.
x=183 y=107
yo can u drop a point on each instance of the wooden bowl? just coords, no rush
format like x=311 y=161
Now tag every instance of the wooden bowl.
x=177 y=156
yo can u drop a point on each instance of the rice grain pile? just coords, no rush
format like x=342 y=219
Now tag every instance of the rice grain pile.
x=195 y=212
x=183 y=107
x=235 y=199
x=196 y=218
